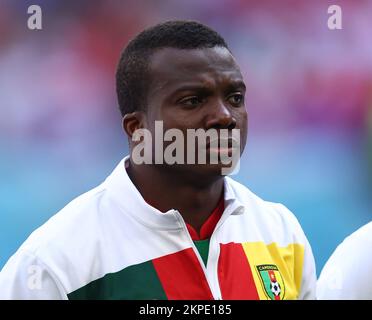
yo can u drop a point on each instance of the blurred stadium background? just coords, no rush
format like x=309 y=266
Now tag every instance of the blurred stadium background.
x=309 y=101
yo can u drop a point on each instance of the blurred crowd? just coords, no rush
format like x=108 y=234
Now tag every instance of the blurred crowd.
x=309 y=100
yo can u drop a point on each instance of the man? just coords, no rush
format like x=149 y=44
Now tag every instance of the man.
x=156 y=230
x=346 y=273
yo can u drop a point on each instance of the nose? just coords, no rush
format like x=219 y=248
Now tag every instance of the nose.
x=220 y=117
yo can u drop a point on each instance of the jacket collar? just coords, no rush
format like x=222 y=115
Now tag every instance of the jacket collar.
x=126 y=196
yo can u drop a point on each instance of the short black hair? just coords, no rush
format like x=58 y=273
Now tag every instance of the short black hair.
x=132 y=76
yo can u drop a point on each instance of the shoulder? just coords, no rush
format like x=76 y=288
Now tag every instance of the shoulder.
x=355 y=247
x=356 y=244
x=361 y=236
x=74 y=222
x=274 y=215
x=275 y=226
x=70 y=242
x=62 y=250
x=345 y=273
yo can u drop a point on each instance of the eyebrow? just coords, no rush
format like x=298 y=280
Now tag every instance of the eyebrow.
x=196 y=87
x=237 y=85
x=200 y=87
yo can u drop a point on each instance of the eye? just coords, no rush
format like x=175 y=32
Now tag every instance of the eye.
x=193 y=101
x=236 y=99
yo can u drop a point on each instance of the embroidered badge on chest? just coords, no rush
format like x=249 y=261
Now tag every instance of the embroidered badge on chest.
x=272 y=281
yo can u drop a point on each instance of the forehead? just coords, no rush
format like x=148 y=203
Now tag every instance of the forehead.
x=170 y=67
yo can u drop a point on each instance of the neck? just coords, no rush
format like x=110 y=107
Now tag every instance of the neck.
x=193 y=196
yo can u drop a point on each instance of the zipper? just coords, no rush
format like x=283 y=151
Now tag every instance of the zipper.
x=216 y=295
x=214 y=255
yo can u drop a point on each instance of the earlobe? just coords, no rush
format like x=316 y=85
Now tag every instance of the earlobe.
x=131 y=122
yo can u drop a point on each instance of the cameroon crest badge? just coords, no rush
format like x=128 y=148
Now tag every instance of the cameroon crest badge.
x=272 y=281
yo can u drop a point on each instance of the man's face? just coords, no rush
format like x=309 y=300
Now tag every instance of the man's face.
x=196 y=89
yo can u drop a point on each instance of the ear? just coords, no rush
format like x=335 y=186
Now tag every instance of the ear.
x=133 y=121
